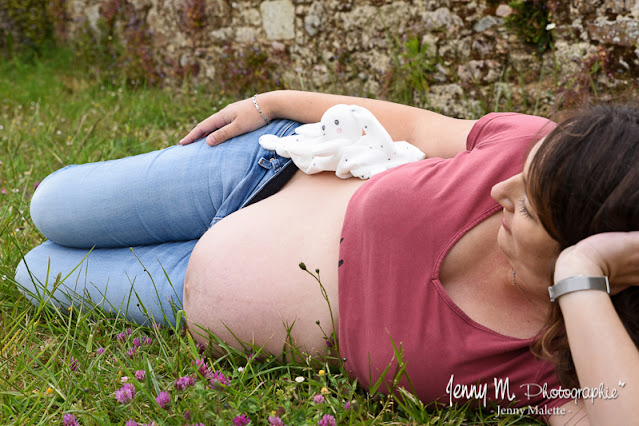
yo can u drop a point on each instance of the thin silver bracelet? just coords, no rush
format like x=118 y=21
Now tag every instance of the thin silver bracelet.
x=257 y=107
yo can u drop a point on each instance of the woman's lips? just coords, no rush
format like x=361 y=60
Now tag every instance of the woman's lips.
x=503 y=222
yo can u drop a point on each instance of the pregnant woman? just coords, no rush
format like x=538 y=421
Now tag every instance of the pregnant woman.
x=452 y=257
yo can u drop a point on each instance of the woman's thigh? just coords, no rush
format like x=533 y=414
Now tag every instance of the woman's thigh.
x=174 y=194
x=138 y=283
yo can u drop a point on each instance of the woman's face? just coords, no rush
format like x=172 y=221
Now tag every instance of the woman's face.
x=528 y=247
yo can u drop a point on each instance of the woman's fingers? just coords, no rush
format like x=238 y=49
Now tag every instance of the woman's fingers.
x=615 y=254
x=233 y=120
x=205 y=127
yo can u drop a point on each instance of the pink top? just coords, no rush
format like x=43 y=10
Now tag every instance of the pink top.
x=399 y=226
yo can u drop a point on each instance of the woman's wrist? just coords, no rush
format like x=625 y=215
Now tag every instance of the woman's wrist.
x=269 y=104
x=571 y=263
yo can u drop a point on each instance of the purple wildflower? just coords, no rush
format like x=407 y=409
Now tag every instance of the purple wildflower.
x=69 y=420
x=131 y=422
x=318 y=399
x=241 y=420
x=121 y=337
x=149 y=340
x=327 y=420
x=330 y=342
x=3 y=191
x=136 y=342
x=100 y=351
x=217 y=379
x=184 y=382
x=187 y=415
x=126 y=393
x=140 y=374
x=73 y=364
x=157 y=326
x=163 y=399
x=255 y=357
x=201 y=347
x=347 y=406
x=131 y=352
x=202 y=368
x=275 y=421
x=128 y=331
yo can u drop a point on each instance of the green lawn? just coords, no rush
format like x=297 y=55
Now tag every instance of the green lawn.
x=83 y=362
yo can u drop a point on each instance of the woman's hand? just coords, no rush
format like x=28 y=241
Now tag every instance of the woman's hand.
x=233 y=120
x=614 y=254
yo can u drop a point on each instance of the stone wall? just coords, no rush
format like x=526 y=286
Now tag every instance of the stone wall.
x=472 y=62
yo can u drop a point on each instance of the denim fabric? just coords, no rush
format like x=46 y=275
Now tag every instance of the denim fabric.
x=121 y=231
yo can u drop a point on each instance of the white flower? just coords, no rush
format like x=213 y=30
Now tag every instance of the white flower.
x=299 y=379
x=551 y=26
x=240 y=369
x=124 y=379
x=58 y=132
x=1 y=127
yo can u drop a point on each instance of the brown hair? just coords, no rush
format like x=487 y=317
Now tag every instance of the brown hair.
x=584 y=180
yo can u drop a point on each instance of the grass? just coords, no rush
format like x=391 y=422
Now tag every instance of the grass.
x=62 y=362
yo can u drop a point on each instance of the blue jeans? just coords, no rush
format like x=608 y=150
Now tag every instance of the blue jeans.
x=120 y=232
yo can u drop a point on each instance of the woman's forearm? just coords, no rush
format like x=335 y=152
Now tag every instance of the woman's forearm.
x=435 y=134
x=604 y=355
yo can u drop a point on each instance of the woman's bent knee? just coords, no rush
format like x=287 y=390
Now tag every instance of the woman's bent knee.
x=51 y=209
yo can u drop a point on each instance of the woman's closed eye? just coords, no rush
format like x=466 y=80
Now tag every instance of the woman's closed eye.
x=523 y=208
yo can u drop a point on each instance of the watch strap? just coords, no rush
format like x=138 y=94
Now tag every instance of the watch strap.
x=578 y=283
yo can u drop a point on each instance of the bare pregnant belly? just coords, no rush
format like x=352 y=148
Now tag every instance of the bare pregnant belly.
x=243 y=280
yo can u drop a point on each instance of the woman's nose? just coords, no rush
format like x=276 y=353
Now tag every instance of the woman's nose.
x=503 y=193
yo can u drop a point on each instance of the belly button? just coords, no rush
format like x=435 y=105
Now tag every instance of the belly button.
x=187 y=286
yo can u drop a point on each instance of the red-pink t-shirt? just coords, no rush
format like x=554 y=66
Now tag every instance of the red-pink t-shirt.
x=399 y=226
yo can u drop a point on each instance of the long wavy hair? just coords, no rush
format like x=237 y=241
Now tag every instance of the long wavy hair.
x=584 y=180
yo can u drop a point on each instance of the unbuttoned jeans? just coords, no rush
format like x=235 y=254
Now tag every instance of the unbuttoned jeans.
x=120 y=232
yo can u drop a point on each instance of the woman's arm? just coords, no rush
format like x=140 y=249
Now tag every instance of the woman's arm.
x=603 y=353
x=435 y=134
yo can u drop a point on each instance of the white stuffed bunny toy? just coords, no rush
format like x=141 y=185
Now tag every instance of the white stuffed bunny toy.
x=348 y=140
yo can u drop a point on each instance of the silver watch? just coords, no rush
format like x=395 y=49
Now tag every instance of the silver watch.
x=578 y=283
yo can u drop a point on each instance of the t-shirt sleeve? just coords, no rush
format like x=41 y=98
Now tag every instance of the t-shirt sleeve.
x=507 y=127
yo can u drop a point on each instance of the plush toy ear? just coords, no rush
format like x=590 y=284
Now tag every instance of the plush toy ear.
x=313 y=130
x=366 y=118
x=373 y=128
x=269 y=142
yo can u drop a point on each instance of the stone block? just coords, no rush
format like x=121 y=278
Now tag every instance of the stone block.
x=486 y=22
x=449 y=99
x=431 y=42
x=442 y=19
x=503 y=10
x=312 y=24
x=247 y=34
x=622 y=32
x=570 y=56
x=278 y=19
x=93 y=15
x=251 y=17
